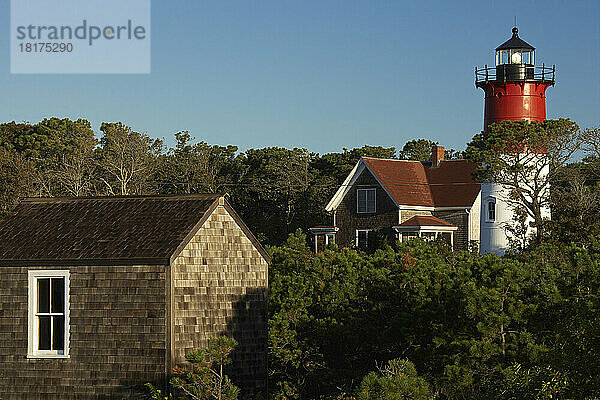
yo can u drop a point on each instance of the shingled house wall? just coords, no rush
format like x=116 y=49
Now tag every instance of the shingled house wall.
x=348 y=220
x=117 y=335
x=460 y=219
x=220 y=288
x=405 y=215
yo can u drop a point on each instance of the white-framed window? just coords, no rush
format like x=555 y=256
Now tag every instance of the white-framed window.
x=490 y=209
x=365 y=200
x=406 y=236
x=362 y=238
x=48 y=314
x=329 y=238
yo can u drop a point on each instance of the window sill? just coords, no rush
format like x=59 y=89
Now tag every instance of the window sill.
x=45 y=356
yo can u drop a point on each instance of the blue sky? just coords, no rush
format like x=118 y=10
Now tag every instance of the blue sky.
x=320 y=74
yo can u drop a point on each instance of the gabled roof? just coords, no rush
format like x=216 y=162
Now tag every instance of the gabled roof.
x=415 y=183
x=426 y=220
x=105 y=230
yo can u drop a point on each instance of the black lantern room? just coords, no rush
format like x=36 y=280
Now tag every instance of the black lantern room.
x=515 y=62
x=515 y=51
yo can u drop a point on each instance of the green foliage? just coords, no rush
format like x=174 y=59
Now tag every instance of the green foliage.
x=516 y=382
x=525 y=157
x=471 y=324
x=197 y=167
x=575 y=201
x=417 y=150
x=204 y=378
x=127 y=158
x=51 y=158
x=398 y=380
x=522 y=326
x=156 y=394
x=279 y=191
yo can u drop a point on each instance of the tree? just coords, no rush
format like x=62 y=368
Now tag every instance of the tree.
x=127 y=159
x=524 y=157
x=17 y=179
x=575 y=197
x=417 y=150
x=339 y=165
x=591 y=145
x=276 y=191
x=60 y=151
x=398 y=380
x=205 y=378
x=198 y=167
x=591 y=141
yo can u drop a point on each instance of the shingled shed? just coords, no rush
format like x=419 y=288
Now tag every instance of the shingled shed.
x=100 y=295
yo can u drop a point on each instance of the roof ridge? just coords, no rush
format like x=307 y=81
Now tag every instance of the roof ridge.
x=390 y=159
x=121 y=197
x=415 y=161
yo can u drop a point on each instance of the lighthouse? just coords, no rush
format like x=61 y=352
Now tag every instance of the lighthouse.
x=515 y=90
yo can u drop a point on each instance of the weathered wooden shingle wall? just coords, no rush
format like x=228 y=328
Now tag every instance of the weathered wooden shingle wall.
x=460 y=218
x=408 y=214
x=348 y=220
x=117 y=335
x=220 y=288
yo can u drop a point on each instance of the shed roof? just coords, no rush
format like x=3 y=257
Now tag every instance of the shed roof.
x=105 y=230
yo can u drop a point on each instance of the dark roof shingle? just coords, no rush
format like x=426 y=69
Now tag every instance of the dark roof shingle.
x=129 y=229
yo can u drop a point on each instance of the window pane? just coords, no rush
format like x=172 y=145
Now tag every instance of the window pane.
x=371 y=201
x=58 y=295
x=447 y=237
x=58 y=340
x=44 y=333
x=362 y=200
x=406 y=236
x=43 y=295
x=362 y=239
x=492 y=210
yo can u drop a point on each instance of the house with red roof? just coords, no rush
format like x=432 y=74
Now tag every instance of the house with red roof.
x=402 y=199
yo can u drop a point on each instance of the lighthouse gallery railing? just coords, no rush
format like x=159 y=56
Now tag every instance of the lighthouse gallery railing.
x=516 y=72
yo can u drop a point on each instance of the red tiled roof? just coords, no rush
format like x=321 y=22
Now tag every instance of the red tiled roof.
x=426 y=220
x=412 y=183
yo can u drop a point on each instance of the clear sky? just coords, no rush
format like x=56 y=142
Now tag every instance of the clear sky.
x=321 y=74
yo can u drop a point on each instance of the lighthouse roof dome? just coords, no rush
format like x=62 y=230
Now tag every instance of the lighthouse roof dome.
x=515 y=42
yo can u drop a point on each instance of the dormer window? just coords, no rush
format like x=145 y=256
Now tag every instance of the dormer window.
x=365 y=200
x=491 y=209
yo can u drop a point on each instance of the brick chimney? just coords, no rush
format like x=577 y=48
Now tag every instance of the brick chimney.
x=437 y=155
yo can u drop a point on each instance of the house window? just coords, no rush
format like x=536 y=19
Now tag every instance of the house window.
x=365 y=200
x=406 y=236
x=48 y=319
x=329 y=238
x=491 y=209
x=362 y=238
